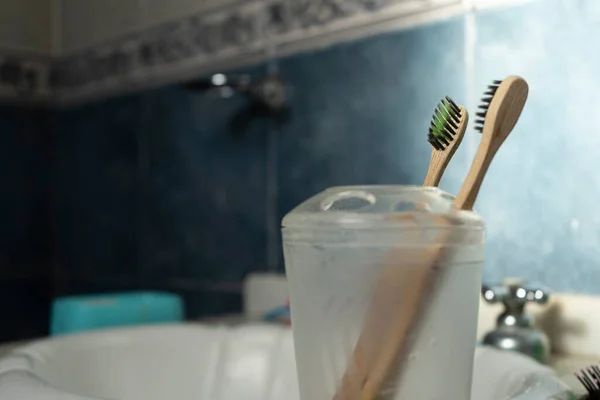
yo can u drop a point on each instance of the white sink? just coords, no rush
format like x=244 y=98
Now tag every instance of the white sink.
x=507 y=375
x=251 y=362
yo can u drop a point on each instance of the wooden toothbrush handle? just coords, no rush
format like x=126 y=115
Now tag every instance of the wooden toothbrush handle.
x=395 y=343
x=389 y=320
x=377 y=349
x=503 y=113
x=437 y=166
x=465 y=199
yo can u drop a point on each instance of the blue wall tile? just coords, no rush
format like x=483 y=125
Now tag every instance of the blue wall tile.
x=25 y=308
x=97 y=187
x=361 y=110
x=26 y=227
x=156 y=186
x=160 y=188
x=25 y=230
x=540 y=201
x=204 y=187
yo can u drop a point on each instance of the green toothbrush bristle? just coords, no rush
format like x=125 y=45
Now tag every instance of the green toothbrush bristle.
x=444 y=124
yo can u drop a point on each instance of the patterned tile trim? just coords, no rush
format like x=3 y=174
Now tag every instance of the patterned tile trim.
x=24 y=77
x=222 y=38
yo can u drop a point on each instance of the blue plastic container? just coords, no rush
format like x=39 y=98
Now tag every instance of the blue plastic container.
x=89 y=312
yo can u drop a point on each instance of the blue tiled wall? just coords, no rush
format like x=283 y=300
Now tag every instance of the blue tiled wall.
x=154 y=190
x=540 y=198
x=157 y=192
x=26 y=227
x=372 y=100
x=361 y=110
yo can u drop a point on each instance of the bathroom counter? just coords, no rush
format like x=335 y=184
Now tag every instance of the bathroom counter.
x=7 y=347
x=230 y=320
x=564 y=365
x=567 y=365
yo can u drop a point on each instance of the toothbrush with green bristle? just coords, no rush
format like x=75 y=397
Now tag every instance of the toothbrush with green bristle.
x=446 y=131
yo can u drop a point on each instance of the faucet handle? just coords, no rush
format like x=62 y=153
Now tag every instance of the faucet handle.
x=515 y=291
x=515 y=329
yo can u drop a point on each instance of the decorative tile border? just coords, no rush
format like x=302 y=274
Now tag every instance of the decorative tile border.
x=222 y=38
x=23 y=77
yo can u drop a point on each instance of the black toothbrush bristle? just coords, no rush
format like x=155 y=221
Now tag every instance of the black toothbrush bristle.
x=485 y=104
x=590 y=379
x=444 y=124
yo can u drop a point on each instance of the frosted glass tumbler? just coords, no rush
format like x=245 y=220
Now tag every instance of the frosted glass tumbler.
x=353 y=256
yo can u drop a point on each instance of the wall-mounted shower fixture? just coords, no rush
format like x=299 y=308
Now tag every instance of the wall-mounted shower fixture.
x=268 y=90
x=267 y=96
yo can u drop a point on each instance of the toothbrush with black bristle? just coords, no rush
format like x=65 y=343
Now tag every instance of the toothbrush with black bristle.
x=485 y=105
x=446 y=131
x=590 y=379
x=379 y=355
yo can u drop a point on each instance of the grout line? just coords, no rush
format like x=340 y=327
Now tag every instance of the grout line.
x=133 y=282
x=490 y=4
x=26 y=276
x=143 y=174
x=470 y=70
x=271 y=197
x=56 y=27
x=272 y=66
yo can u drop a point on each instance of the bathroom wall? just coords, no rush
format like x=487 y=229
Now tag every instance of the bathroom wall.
x=158 y=190
x=26 y=139
x=26 y=26
x=88 y=23
x=27 y=41
x=26 y=230
x=539 y=198
x=359 y=112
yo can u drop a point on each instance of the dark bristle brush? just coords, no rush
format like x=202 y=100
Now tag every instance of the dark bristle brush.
x=485 y=105
x=590 y=379
x=380 y=353
x=446 y=131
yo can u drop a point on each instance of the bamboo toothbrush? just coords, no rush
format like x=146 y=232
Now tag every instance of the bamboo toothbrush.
x=446 y=132
x=376 y=353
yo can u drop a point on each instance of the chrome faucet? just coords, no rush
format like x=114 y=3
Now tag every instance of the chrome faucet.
x=514 y=328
